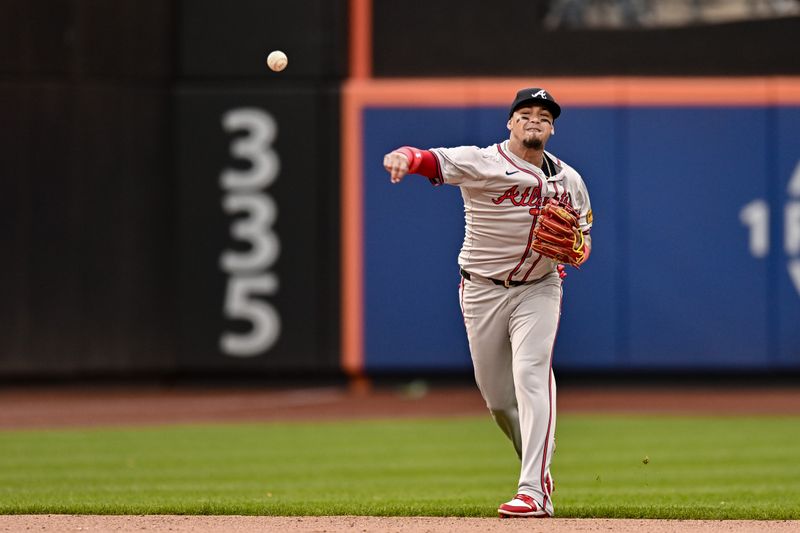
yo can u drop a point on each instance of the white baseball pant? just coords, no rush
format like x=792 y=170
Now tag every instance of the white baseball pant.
x=511 y=333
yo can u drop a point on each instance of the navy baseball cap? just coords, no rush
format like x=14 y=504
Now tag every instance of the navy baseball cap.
x=535 y=96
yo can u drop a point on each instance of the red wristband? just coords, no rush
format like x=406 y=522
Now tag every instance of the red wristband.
x=414 y=156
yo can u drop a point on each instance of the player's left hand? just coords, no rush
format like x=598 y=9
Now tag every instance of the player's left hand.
x=557 y=234
x=396 y=164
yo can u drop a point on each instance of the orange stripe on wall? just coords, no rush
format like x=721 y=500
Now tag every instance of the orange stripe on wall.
x=611 y=91
x=352 y=238
x=360 y=66
x=582 y=91
x=360 y=52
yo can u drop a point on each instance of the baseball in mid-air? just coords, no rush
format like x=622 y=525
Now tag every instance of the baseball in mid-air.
x=277 y=60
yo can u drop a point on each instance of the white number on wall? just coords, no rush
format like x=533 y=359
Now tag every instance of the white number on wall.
x=254 y=147
x=791 y=234
x=755 y=215
x=792 y=225
x=241 y=303
x=255 y=213
x=254 y=229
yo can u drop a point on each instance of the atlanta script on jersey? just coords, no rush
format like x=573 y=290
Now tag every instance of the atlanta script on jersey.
x=503 y=195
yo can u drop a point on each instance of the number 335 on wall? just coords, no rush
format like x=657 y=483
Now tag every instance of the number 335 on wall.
x=249 y=278
x=755 y=215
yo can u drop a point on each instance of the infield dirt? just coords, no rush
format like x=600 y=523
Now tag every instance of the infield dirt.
x=359 y=524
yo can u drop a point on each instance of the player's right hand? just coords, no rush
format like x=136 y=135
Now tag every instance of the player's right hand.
x=396 y=164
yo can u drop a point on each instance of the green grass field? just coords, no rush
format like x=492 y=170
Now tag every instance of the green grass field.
x=697 y=467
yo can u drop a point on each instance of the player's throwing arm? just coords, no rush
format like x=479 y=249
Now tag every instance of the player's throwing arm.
x=409 y=160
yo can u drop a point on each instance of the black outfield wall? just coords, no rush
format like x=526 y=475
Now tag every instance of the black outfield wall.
x=478 y=38
x=113 y=224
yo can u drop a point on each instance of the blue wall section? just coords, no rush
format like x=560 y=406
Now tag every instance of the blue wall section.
x=697 y=298
x=787 y=307
x=671 y=282
x=412 y=234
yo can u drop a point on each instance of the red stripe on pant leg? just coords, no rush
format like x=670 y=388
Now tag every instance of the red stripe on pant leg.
x=461 y=302
x=550 y=378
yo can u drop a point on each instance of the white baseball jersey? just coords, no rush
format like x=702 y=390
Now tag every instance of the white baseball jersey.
x=502 y=194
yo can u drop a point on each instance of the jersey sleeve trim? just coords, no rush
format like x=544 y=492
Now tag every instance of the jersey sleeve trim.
x=436 y=178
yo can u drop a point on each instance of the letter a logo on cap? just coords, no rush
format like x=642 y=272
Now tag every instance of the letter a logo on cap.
x=541 y=93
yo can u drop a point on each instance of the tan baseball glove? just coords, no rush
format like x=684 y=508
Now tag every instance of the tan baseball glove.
x=557 y=234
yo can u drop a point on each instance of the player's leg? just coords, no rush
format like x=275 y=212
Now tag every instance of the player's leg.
x=486 y=311
x=533 y=327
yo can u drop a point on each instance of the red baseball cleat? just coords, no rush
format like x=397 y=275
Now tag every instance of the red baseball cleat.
x=522 y=506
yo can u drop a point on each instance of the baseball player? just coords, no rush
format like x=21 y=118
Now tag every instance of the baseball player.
x=526 y=214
